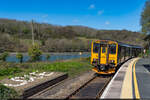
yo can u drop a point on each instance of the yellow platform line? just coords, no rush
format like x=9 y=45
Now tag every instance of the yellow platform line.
x=127 y=89
x=126 y=92
x=137 y=95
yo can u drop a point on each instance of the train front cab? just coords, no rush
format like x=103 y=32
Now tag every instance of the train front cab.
x=104 y=56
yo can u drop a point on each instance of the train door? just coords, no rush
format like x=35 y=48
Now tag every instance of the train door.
x=113 y=54
x=103 y=54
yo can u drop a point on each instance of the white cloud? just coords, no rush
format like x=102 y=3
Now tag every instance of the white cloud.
x=100 y=12
x=107 y=23
x=45 y=21
x=92 y=6
x=44 y=16
x=75 y=20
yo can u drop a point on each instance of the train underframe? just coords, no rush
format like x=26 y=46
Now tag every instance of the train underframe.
x=104 y=69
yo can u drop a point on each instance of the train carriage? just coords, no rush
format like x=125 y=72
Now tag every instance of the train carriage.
x=106 y=55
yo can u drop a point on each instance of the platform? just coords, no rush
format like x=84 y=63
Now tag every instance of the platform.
x=132 y=81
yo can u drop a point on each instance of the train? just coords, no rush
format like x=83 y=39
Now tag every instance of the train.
x=107 y=55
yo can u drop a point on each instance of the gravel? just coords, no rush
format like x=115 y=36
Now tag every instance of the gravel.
x=65 y=88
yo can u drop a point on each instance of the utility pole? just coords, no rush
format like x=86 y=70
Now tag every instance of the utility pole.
x=32 y=26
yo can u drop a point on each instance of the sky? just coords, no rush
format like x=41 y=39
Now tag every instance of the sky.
x=99 y=14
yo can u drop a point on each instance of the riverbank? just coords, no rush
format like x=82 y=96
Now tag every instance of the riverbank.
x=72 y=67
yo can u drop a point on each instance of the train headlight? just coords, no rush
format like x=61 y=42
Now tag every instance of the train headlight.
x=102 y=67
x=94 y=60
x=112 y=61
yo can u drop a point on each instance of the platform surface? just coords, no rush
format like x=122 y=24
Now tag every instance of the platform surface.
x=142 y=69
x=132 y=81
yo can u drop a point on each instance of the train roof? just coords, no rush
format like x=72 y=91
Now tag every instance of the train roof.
x=123 y=44
x=129 y=45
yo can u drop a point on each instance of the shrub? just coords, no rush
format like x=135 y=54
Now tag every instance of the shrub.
x=35 y=52
x=141 y=55
x=48 y=56
x=4 y=56
x=9 y=71
x=7 y=93
x=20 y=57
x=147 y=53
x=88 y=59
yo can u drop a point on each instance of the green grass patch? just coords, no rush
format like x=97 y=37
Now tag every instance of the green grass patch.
x=72 y=67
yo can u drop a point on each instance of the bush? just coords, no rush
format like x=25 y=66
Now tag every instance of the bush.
x=35 y=52
x=20 y=57
x=88 y=59
x=4 y=56
x=147 y=53
x=7 y=93
x=9 y=71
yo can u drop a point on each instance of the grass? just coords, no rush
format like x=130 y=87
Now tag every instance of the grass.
x=72 y=67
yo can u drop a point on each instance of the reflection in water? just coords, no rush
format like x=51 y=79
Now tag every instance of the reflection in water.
x=53 y=57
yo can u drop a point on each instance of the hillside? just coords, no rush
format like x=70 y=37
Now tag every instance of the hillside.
x=16 y=36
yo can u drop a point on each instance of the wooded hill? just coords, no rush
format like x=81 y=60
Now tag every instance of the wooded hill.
x=16 y=36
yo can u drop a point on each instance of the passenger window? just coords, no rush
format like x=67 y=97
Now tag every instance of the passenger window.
x=103 y=49
x=96 y=47
x=112 y=49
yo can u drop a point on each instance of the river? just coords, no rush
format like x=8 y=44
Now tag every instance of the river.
x=53 y=56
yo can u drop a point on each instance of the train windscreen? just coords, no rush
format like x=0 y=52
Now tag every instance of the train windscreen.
x=112 y=49
x=96 y=47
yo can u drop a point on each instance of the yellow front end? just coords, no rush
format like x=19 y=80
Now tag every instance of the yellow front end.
x=107 y=57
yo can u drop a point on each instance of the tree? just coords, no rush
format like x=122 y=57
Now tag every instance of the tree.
x=48 y=56
x=68 y=32
x=20 y=57
x=145 y=18
x=35 y=52
x=26 y=31
x=4 y=56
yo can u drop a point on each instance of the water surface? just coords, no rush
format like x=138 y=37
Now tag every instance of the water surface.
x=53 y=57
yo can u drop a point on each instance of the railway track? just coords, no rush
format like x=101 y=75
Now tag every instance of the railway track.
x=93 y=89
